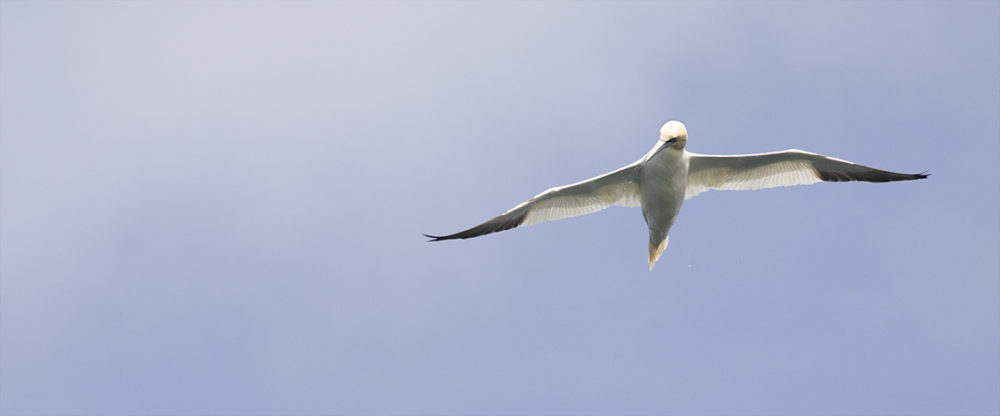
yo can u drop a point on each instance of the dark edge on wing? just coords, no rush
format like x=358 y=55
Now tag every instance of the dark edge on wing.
x=501 y=222
x=868 y=175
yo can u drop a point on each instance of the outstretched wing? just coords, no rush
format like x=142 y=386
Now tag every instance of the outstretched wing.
x=620 y=187
x=786 y=168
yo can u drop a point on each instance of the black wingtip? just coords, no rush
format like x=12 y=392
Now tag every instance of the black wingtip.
x=870 y=175
x=501 y=222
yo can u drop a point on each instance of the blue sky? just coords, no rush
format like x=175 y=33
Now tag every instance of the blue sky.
x=216 y=208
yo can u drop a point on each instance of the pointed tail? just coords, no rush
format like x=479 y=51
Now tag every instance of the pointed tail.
x=656 y=250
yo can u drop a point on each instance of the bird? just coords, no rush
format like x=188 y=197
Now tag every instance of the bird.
x=668 y=175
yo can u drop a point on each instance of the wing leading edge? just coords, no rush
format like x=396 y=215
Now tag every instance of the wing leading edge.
x=619 y=187
x=786 y=168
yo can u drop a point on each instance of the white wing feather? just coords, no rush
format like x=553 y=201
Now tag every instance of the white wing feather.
x=769 y=170
x=619 y=187
x=581 y=198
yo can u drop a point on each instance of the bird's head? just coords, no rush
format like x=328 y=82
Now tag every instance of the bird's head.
x=674 y=134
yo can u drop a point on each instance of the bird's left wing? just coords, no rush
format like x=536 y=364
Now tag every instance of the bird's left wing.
x=620 y=187
x=786 y=168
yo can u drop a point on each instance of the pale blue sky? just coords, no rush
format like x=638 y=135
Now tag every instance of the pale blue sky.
x=216 y=208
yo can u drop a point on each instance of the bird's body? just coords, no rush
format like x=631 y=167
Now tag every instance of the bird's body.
x=668 y=174
x=662 y=183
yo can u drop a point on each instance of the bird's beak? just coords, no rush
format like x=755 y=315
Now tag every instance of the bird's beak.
x=663 y=145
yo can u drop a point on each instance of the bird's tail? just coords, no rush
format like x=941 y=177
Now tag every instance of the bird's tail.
x=655 y=250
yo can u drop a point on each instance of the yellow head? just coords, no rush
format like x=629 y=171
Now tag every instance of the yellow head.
x=674 y=133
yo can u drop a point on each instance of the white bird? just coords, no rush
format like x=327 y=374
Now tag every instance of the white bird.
x=667 y=175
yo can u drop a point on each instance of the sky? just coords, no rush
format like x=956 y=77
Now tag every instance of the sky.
x=216 y=208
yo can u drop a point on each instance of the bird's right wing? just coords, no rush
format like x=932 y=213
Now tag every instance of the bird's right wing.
x=620 y=187
x=785 y=168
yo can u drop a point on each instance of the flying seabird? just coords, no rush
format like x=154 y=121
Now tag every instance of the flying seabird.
x=667 y=175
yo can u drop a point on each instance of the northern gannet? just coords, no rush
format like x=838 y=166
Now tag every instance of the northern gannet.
x=667 y=175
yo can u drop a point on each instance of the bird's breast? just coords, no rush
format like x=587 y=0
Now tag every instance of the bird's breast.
x=662 y=182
